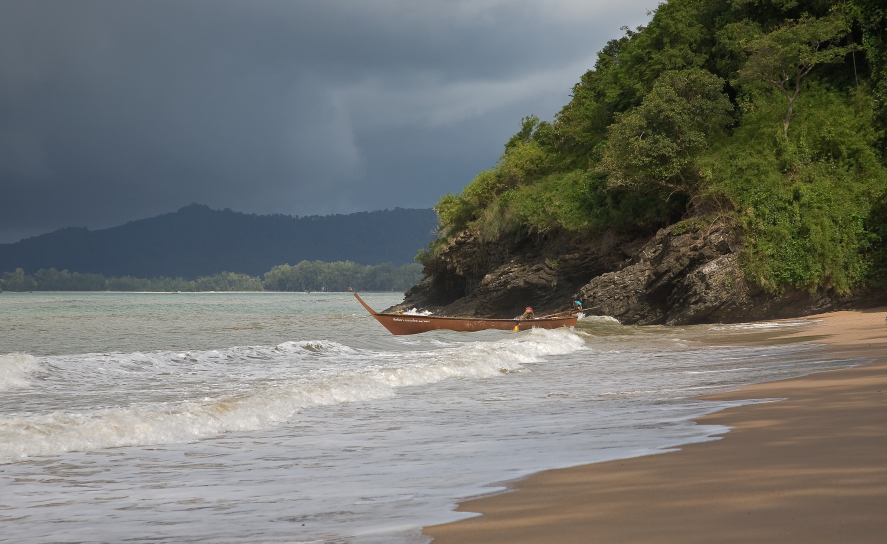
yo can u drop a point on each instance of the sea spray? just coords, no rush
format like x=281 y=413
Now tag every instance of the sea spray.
x=15 y=368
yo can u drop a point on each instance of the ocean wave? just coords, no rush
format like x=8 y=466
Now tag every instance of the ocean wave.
x=15 y=368
x=598 y=319
x=260 y=397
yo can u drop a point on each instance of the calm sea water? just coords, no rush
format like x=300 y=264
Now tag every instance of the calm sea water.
x=260 y=417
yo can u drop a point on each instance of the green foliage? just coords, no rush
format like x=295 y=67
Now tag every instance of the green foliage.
x=16 y=281
x=340 y=276
x=53 y=280
x=305 y=276
x=784 y=57
x=876 y=224
x=871 y=18
x=524 y=161
x=228 y=281
x=454 y=213
x=659 y=142
x=804 y=200
x=692 y=223
x=687 y=120
x=522 y=164
x=557 y=201
x=678 y=38
x=528 y=125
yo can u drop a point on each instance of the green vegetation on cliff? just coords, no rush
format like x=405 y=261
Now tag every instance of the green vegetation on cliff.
x=766 y=114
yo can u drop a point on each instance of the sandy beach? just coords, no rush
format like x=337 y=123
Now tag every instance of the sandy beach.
x=810 y=468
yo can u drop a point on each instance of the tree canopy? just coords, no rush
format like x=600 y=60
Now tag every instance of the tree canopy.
x=787 y=55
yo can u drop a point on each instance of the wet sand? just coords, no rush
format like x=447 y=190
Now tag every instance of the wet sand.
x=808 y=469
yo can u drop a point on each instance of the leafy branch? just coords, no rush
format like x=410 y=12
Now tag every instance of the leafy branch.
x=784 y=57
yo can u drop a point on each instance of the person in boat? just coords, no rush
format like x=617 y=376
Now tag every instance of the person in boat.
x=528 y=314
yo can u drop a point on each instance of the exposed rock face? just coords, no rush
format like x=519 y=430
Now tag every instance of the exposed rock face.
x=675 y=277
x=501 y=278
x=691 y=277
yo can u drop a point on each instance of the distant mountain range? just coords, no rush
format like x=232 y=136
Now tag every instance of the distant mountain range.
x=198 y=241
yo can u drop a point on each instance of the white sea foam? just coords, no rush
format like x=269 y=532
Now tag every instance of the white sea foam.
x=598 y=319
x=270 y=393
x=15 y=368
x=765 y=325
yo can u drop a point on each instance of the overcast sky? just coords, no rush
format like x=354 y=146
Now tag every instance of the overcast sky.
x=117 y=110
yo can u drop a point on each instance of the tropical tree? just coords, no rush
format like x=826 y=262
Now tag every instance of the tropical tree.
x=657 y=143
x=18 y=281
x=784 y=57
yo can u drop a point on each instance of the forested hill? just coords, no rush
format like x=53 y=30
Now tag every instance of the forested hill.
x=198 y=241
x=762 y=120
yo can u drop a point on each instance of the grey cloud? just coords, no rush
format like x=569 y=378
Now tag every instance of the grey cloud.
x=115 y=110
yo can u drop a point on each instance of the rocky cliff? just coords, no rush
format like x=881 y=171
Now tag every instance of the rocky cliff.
x=678 y=276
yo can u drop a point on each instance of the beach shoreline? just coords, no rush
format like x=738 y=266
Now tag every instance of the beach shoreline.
x=809 y=468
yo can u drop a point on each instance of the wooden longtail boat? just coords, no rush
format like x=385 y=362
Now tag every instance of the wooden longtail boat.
x=414 y=324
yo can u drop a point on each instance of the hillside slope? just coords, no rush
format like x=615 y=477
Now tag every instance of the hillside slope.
x=762 y=120
x=198 y=241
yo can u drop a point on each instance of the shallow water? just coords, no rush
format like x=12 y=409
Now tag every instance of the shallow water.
x=265 y=417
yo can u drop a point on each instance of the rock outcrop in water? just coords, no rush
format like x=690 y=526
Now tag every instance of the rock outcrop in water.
x=675 y=277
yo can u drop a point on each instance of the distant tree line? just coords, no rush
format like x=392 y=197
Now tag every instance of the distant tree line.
x=305 y=276
x=340 y=276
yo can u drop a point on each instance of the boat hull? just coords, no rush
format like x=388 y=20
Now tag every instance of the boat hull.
x=414 y=324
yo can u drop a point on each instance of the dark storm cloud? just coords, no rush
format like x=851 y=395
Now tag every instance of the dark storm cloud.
x=116 y=110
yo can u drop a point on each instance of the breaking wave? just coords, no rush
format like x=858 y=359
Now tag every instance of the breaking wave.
x=15 y=368
x=183 y=396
